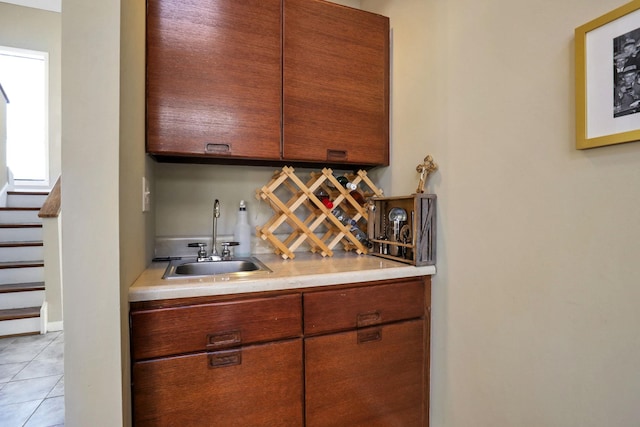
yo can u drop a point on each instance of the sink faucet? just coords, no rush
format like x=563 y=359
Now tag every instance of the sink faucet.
x=202 y=253
x=214 y=237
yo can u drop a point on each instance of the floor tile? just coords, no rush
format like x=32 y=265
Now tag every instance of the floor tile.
x=34 y=340
x=16 y=414
x=59 y=337
x=49 y=413
x=32 y=381
x=48 y=337
x=5 y=342
x=24 y=352
x=55 y=350
x=9 y=370
x=38 y=368
x=58 y=389
x=27 y=390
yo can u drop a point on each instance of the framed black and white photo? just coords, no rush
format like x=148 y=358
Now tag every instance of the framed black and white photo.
x=608 y=78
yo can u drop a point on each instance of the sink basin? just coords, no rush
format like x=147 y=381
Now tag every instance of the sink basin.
x=188 y=268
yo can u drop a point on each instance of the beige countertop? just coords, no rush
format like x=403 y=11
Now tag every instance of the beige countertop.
x=306 y=270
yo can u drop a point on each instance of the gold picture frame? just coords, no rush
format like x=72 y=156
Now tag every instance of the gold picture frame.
x=600 y=118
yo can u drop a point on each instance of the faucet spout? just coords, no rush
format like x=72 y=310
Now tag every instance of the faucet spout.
x=214 y=237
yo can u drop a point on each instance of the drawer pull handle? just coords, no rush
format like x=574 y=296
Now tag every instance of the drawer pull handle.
x=225 y=358
x=336 y=155
x=217 y=148
x=368 y=319
x=223 y=339
x=369 y=336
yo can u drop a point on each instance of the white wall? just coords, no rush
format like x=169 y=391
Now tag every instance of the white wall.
x=535 y=308
x=3 y=138
x=535 y=319
x=34 y=29
x=93 y=309
x=136 y=227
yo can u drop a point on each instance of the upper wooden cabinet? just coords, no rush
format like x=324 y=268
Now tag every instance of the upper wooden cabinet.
x=213 y=78
x=284 y=81
x=336 y=84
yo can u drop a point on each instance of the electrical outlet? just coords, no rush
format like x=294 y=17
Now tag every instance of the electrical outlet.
x=146 y=195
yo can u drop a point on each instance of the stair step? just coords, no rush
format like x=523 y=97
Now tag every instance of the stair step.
x=21 y=287
x=21 y=251
x=25 y=191
x=28 y=192
x=15 y=215
x=20 y=321
x=20 y=232
x=21 y=264
x=21 y=244
x=21 y=272
x=21 y=295
x=19 y=313
x=26 y=198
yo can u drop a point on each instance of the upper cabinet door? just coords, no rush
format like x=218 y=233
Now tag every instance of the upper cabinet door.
x=335 y=83
x=214 y=78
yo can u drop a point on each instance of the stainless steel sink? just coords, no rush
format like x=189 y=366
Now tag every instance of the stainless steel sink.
x=188 y=267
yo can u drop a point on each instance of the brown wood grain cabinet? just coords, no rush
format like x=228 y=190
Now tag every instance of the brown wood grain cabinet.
x=267 y=81
x=223 y=363
x=258 y=385
x=336 y=84
x=372 y=369
x=213 y=78
x=347 y=355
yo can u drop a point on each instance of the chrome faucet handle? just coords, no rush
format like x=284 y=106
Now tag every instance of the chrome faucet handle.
x=226 y=253
x=202 y=253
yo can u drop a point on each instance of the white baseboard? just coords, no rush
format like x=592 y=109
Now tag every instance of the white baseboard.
x=44 y=315
x=55 y=326
x=3 y=195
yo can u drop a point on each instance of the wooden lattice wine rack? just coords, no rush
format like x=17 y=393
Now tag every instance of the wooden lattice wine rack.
x=302 y=217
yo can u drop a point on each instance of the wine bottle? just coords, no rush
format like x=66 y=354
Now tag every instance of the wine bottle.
x=353 y=189
x=354 y=229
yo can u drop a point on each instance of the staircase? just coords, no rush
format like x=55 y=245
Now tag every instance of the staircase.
x=22 y=295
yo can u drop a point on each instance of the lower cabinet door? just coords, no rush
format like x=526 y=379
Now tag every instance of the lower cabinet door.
x=367 y=377
x=257 y=385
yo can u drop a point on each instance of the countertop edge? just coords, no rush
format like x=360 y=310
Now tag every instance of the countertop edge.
x=152 y=287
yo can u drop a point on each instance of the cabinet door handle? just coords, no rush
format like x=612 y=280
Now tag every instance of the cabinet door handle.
x=368 y=319
x=217 y=148
x=223 y=359
x=369 y=336
x=336 y=155
x=223 y=339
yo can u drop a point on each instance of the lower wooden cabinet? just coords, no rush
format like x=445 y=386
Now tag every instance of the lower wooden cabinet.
x=348 y=355
x=369 y=377
x=258 y=385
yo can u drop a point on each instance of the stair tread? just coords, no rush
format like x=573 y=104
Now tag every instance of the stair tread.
x=22 y=225
x=19 y=313
x=21 y=287
x=21 y=264
x=28 y=192
x=21 y=244
x=18 y=208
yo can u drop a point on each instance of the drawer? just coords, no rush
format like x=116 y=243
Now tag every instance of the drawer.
x=256 y=385
x=374 y=373
x=343 y=309
x=177 y=330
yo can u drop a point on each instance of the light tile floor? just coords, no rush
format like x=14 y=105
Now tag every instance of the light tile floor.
x=32 y=381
